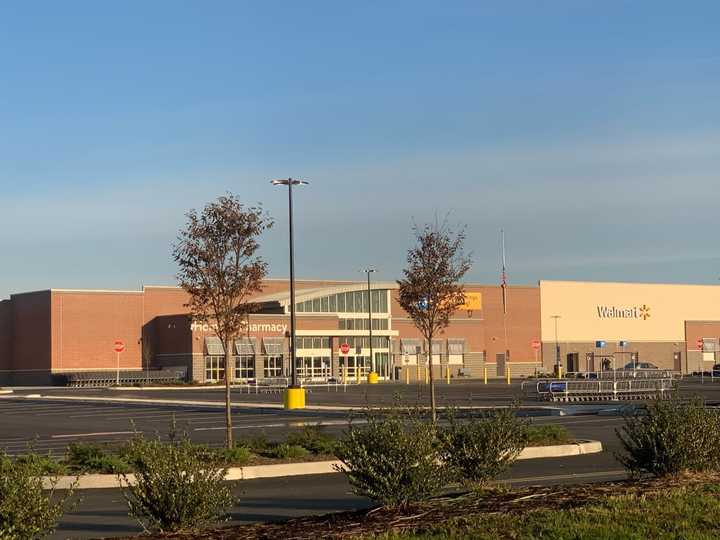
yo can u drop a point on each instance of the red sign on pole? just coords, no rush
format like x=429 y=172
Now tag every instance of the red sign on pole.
x=344 y=348
x=699 y=344
x=536 y=344
x=119 y=346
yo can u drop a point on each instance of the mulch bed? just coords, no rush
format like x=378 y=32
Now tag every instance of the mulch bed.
x=424 y=516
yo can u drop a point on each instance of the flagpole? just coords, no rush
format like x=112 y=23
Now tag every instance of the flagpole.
x=503 y=286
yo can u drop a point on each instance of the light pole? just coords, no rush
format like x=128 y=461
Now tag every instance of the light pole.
x=372 y=376
x=295 y=395
x=558 y=366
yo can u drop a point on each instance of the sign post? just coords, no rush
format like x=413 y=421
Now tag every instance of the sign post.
x=701 y=360
x=345 y=349
x=536 y=344
x=118 y=347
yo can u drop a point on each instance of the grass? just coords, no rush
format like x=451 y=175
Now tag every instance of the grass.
x=688 y=513
x=548 y=435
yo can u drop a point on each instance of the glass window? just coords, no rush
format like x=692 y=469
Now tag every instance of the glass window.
x=376 y=301
x=308 y=306
x=333 y=303
x=214 y=368
x=383 y=302
x=325 y=304
x=341 y=302
x=316 y=305
x=360 y=306
x=245 y=367
x=317 y=343
x=300 y=307
x=273 y=366
x=342 y=324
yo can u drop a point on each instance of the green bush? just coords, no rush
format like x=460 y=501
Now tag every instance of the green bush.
x=47 y=465
x=93 y=458
x=178 y=486
x=237 y=455
x=547 y=435
x=287 y=451
x=258 y=443
x=393 y=458
x=27 y=511
x=670 y=437
x=479 y=448
x=314 y=439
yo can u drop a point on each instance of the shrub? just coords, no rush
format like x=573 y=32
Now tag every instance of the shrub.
x=314 y=439
x=670 y=437
x=178 y=486
x=27 y=511
x=547 y=435
x=46 y=465
x=93 y=458
x=287 y=451
x=237 y=455
x=480 y=448
x=258 y=443
x=393 y=458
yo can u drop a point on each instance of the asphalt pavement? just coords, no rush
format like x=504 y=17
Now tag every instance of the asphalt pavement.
x=51 y=423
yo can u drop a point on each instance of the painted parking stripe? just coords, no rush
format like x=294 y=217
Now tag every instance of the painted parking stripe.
x=98 y=434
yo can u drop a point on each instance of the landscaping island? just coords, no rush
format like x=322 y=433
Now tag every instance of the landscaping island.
x=685 y=506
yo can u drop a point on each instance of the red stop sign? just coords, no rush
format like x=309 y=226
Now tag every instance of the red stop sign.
x=535 y=344
x=344 y=348
x=700 y=344
x=119 y=346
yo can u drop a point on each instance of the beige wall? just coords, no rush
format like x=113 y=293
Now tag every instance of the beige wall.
x=669 y=306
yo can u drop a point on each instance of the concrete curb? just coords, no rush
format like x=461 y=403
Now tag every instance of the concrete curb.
x=105 y=481
x=561 y=450
x=3 y=391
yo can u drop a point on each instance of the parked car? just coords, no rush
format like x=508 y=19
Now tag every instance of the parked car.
x=640 y=365
x=716 y=370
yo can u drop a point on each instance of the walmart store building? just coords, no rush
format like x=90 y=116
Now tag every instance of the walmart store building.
x=45 y=336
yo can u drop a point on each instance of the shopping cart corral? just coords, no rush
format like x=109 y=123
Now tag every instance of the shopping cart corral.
x=574 y=390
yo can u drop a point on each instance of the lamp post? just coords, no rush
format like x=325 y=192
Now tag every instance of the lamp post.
x=558 y=366
x=295 y=395
x=372 y=377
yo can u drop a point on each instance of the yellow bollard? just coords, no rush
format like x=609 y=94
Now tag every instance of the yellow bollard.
x=357 y=374
x=447 y=374
x=507 y=374
x=373 y=378
x=407 y=375
x=427 y=375
x=294 y=398
x=344 y=374
x=485 y=375
x=560 y=372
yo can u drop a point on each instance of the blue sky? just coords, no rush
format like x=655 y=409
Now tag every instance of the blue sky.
x=588 y=130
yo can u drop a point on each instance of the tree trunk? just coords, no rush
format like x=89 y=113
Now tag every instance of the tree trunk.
x=433 y=411
x=229 y=367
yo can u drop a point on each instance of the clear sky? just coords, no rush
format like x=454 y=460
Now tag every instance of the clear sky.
x=588 y=130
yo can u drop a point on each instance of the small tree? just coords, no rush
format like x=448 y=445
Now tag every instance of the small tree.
x=220 y=270
x=431 y=290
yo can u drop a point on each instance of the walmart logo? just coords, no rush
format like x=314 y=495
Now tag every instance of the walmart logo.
x=614 y=312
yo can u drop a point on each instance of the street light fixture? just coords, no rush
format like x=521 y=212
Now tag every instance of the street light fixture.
x=372 y=376
x=295 y=395
x=558 y=366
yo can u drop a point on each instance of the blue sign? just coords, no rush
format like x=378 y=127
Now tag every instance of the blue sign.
x=600 y=344
x=423 y=304
x=622 y=343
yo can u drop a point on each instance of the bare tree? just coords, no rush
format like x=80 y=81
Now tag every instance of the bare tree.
x=221 y=270
x=431 y=290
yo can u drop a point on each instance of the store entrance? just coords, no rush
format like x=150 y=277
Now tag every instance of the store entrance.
x=382 y=365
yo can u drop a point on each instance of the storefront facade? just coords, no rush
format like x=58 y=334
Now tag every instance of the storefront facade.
x=605 y=325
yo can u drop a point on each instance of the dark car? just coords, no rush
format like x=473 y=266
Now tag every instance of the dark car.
x=640 y=365
x=716 y=370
